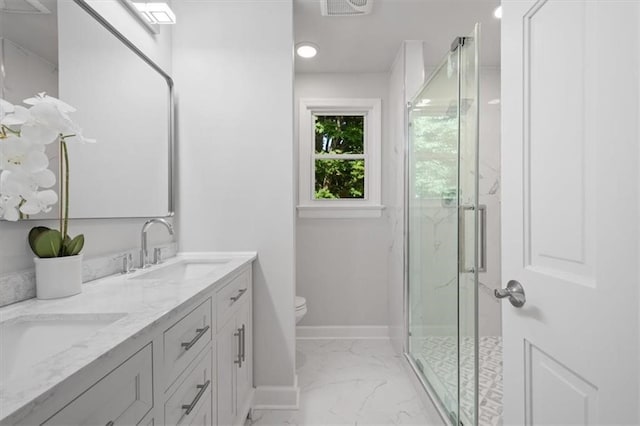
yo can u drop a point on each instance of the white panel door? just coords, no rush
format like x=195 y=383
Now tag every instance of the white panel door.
x=571 y=210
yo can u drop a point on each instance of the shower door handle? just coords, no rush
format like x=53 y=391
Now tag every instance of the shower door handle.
x=482 y=221
x=462 y=244
x=514 y=291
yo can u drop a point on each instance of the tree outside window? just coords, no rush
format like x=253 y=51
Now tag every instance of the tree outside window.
x=339 y=159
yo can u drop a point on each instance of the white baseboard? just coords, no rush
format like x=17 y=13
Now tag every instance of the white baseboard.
x=342 y=332
x=277 y=397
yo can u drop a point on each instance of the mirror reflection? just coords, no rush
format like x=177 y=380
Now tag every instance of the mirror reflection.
x=121 y=100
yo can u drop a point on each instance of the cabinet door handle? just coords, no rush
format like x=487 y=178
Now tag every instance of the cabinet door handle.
x=238 y=360
x=203 y=389
x=237 y=297
x=200 y=332
x=244 y=342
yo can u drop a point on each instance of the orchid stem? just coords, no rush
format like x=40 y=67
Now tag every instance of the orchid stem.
x=61 y=201
x=66 y=189
x=10 y=130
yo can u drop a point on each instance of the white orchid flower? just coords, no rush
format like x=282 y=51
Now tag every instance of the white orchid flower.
x=12 y=115
x=24 y=166
x=39 y=201
x=46 y=124
x=20 y=192
x=19 y=155
x=43 y=98
x=6 y=108
x=78 y=137
x=9 y=208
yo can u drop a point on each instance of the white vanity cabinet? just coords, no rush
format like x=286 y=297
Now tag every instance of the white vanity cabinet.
x=234 y=349
x=193 y=367
x=122 y=397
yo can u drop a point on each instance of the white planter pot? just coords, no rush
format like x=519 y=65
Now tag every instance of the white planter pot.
x=58 y=276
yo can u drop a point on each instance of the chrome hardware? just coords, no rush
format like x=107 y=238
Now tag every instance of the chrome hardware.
x=234 y=299
x=482 y=231
x=243 y=347
x=157 y=256
x=462 y=247
x=127 y=264
x=144 y=255
x=459 y=42
x=238 y=334
x=482 y=218
x=514 y=291
x=200 y=332
x=203 y=389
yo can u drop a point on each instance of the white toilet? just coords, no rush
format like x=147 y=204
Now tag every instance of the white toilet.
x=301 y=308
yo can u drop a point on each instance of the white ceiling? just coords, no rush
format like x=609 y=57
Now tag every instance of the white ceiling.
x=370 y=43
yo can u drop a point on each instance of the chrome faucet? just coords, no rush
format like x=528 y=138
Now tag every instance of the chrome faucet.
x=143 y=239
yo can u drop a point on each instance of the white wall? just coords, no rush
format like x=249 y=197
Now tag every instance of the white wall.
x=342 y=263
x=105 y=235
x=233 y=67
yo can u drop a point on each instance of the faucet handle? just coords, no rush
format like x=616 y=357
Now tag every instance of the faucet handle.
x=157 y=256
x=127 y=264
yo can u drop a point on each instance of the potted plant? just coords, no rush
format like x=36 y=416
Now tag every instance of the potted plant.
x=26 y=182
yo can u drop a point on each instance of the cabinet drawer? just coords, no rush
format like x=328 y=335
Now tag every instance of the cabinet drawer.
x=185 y=339
x=122 y=397
x=229 y=297
x=192 y=398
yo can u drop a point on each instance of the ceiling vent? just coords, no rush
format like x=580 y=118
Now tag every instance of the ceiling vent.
x=346 y=7
x=23 y=6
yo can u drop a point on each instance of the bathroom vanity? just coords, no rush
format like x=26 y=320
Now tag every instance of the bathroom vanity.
x=167 y=345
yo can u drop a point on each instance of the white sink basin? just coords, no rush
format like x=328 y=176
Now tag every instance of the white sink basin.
x=27 y=340
x=183 y=270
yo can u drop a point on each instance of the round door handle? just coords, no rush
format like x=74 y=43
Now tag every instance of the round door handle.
x=514 y=291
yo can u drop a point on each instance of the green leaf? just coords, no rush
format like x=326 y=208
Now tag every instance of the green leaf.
x=33 y=234
x=74 y=247
x=48 y=244
x=65 y=244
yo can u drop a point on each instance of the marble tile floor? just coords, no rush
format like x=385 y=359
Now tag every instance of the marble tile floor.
x=440 y=355
x=351 y=382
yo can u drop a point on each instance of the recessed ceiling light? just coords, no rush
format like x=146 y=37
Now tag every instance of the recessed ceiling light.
x=306 y=50
x=498 y=12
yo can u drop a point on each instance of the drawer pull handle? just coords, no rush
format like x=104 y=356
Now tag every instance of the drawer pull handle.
x=238 y=334
x=201 y=332
x=234 y=299
x=190 y=407
x=243 y=350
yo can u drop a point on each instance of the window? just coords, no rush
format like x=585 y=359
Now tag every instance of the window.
x=340 y=158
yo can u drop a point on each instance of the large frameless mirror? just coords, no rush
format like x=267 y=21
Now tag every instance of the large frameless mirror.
x=123 y=101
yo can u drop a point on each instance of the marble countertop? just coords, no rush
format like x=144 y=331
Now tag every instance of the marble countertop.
x=141 y=302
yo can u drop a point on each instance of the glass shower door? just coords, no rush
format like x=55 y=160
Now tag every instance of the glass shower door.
x=442 y=212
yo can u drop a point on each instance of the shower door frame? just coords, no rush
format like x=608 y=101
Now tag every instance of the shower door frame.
x=457 y=45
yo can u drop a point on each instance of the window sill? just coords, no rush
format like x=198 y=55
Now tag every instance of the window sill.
x=340 y=212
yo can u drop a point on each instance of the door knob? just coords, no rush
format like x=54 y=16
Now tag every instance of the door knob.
x=515 y=293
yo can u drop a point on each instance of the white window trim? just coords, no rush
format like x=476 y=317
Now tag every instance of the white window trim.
x=371 y=206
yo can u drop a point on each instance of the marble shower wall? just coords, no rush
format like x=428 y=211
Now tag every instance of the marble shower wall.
x=490 y=323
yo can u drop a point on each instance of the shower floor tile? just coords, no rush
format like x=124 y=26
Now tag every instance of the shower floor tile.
x=439 y=355
x=351 y=382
